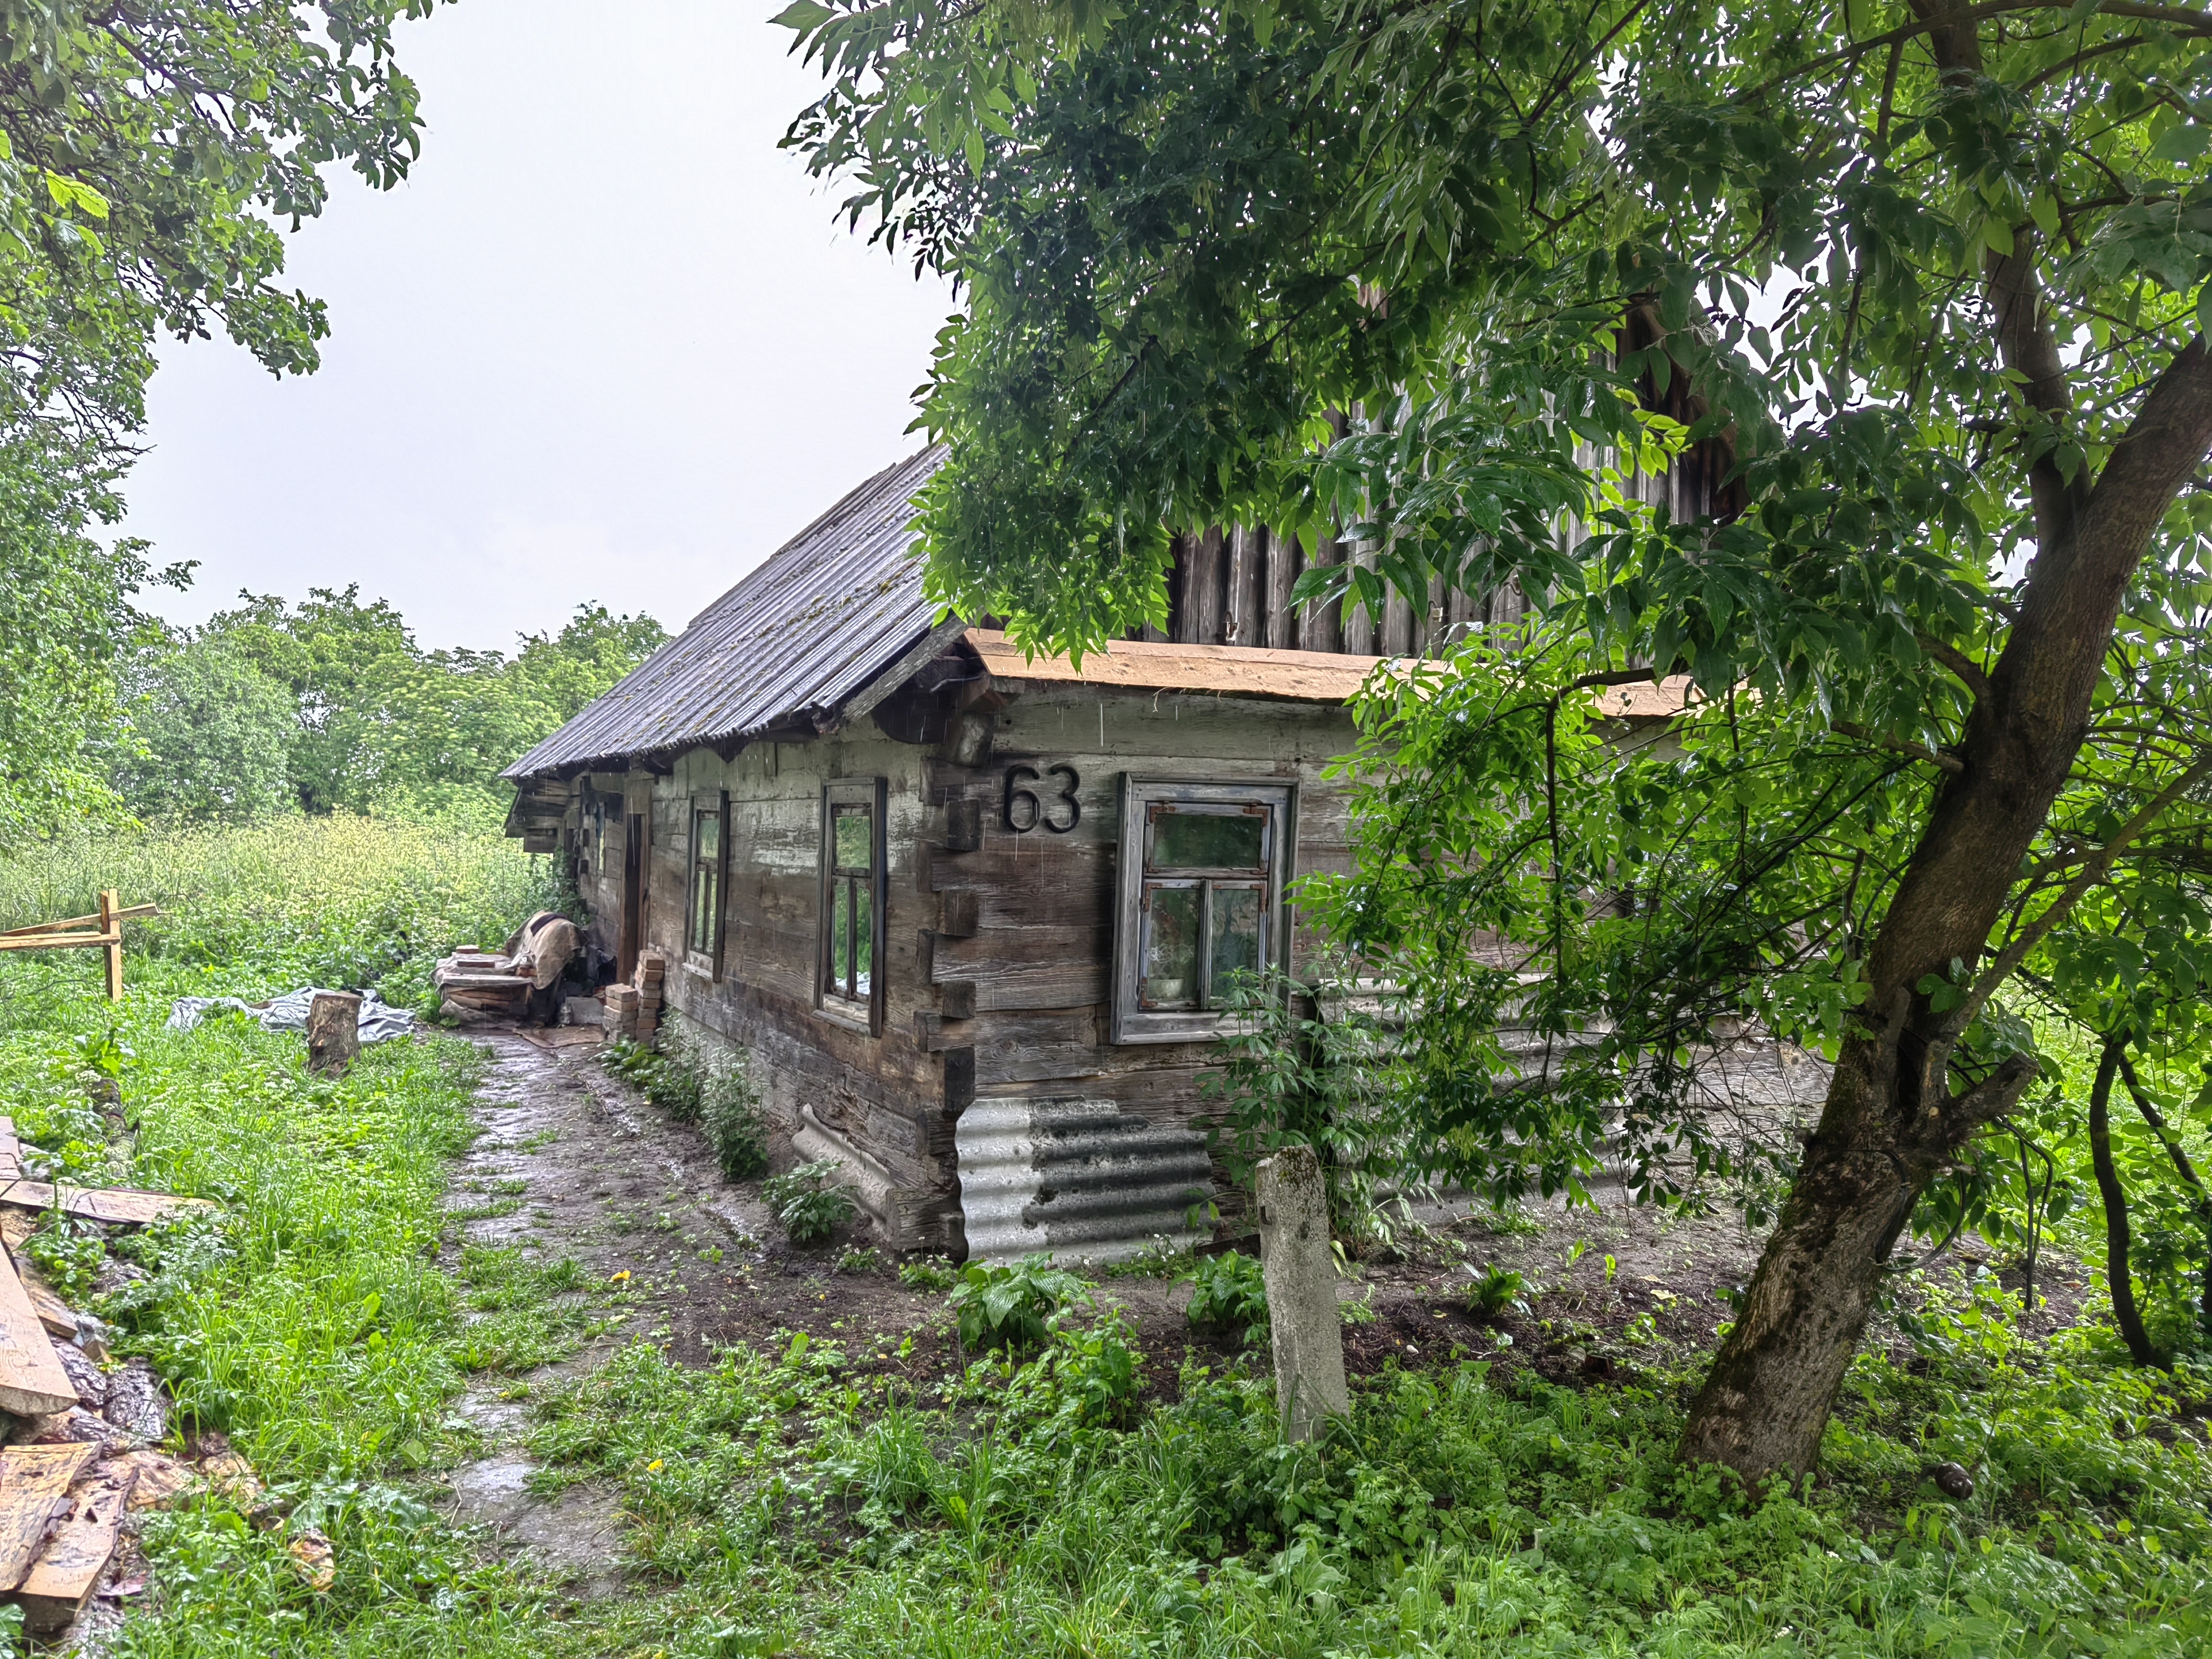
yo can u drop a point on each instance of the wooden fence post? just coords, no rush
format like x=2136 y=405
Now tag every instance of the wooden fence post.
x=111 y=926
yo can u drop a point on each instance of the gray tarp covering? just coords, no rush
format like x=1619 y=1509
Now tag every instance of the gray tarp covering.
x=379 y=1018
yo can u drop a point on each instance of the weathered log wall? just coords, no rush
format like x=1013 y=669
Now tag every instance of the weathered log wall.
x=998 y=942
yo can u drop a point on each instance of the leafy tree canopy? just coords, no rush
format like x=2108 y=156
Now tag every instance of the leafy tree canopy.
x=148 y=154
x=209 y=736
x=373 y=720
x=1906 y=300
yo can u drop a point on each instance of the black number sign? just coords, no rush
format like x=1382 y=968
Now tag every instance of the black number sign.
x=1025 y=809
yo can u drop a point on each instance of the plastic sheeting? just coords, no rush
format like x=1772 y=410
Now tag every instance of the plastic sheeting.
x=379 y=1020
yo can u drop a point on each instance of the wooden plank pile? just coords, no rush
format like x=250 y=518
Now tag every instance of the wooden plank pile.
x=82 y=1440
x=517 y=982
x=482 y=983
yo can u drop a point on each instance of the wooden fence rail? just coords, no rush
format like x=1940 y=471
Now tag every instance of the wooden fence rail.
x=57 y=936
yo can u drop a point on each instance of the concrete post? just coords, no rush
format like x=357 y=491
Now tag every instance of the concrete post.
x=1301 y=1278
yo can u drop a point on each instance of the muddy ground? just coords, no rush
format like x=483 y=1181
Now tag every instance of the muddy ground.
x=573 y=1162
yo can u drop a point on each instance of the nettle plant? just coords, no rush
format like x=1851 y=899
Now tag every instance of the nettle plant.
x=1907 y=299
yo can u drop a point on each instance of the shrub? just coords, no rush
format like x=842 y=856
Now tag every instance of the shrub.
x=698 y=1079
x=1096 y=1366
x=729 y=1111
x=1495 y=1290
x=1008 y=1307
x=1229 y=1292
x=809 y=1208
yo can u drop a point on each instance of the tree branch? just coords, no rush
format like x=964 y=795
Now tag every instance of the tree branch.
x=2094 y=870
x=1989 y=1099
x=1964 y=669
x=1901 y=745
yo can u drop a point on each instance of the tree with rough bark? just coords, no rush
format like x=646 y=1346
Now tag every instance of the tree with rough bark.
x=1906 y=298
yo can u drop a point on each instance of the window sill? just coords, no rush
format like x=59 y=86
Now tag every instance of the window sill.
x=853 y=1017
x=1179 y=1028
x=699 y=967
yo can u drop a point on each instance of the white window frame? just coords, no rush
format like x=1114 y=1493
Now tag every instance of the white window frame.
x=1132 y=1023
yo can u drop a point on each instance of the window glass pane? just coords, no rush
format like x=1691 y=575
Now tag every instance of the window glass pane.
x=705 y=871
x=1169 y=967
x=840 y=921
x=1209 y=841
x=864 y=937
x=854 y=839
x=1235 y=939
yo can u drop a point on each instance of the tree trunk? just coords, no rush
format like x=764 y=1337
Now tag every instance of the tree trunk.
x=2184 y=1168
x=2117 y=1274
x=1892 y=1122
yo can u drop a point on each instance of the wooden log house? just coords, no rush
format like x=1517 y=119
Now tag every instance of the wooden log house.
x=971 y=916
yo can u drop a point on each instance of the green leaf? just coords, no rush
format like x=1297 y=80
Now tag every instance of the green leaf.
x=803 y=17
x=2182 y=144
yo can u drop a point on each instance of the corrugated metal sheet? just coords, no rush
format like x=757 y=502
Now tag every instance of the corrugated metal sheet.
x=830 y=611
x=1078 y=1179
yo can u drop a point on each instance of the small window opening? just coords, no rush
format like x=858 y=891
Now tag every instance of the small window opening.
x=706 y=878
x=1203 y=870
x=848 y=979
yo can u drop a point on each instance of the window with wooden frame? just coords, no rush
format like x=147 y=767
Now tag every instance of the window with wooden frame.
x=848 y=975
x=710 y=840
x=1201 y=873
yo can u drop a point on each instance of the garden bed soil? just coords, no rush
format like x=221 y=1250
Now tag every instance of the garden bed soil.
x=575 y=1162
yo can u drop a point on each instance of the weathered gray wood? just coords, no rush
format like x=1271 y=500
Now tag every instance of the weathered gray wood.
x=1397 y=625
x=61 y=1581
x=1245 y=623
x=1203 y=589
x=34 y=1483
x=963 y=825
x=957 y=914
x=1320 y=626
x=1283 y=560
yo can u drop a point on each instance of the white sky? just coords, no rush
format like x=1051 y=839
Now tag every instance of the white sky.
x=606 y=343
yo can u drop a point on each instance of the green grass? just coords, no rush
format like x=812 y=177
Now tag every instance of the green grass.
x=792 y=1507
x=800 y=1504
x=342 y=901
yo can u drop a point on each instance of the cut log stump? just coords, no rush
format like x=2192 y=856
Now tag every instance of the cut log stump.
x=333 y=1032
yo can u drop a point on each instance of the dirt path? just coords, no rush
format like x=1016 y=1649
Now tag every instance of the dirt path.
x=571 y=1162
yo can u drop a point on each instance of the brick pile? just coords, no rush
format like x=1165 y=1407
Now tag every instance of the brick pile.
x=621 y=1018
x=652 y=969
x=633 y=1011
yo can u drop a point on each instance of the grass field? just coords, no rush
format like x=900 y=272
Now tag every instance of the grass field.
x=796 y=1501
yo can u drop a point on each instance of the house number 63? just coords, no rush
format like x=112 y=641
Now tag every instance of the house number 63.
x=1058 y=810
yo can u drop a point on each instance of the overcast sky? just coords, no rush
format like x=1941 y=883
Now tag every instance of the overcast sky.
x=606 y=343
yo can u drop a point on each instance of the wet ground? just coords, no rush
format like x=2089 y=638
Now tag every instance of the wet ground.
x=573 y=1162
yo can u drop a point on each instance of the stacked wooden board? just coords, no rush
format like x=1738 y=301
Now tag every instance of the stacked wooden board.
x=483 y=982
x=67 y=1482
